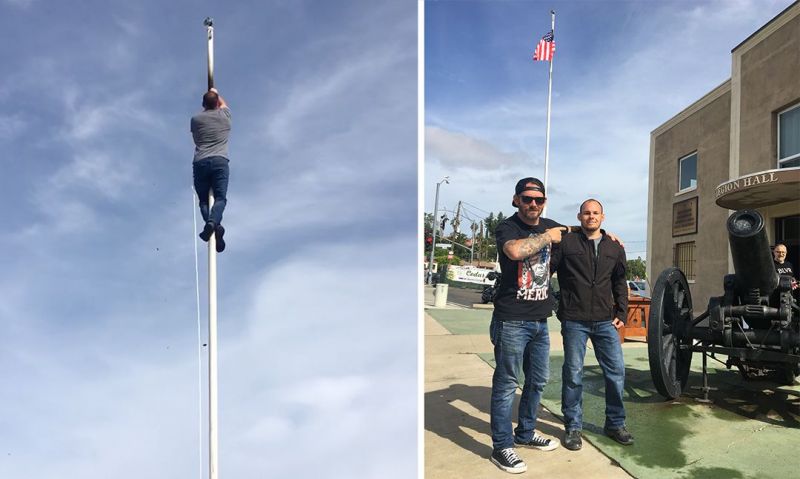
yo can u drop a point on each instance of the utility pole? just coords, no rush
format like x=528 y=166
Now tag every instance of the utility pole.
x=456 y=221
x=435 y=225
x=474 y=228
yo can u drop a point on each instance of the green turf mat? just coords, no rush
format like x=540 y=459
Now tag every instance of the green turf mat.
x=473 y=321
x=751 y=430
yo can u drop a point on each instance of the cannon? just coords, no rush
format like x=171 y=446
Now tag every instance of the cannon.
x=755 y=323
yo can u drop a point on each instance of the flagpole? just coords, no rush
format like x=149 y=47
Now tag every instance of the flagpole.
x=549 y=97
x=213 y=444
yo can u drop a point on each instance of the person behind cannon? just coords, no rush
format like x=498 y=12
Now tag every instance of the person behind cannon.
x=593 y=305
x=782 y=266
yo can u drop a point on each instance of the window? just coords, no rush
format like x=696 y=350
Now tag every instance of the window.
x=789 y=137
x=687 y=172
x=683 y=258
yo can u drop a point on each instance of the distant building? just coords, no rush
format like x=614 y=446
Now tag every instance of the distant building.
x=736 y=147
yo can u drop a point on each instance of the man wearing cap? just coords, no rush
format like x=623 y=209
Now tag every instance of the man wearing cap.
x=519 y=324
x=593 y=305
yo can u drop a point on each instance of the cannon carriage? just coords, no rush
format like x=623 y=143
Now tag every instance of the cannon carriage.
x=755 y=323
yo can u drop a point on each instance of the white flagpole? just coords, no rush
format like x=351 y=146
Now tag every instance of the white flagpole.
x=549 y=97
x=213 y=457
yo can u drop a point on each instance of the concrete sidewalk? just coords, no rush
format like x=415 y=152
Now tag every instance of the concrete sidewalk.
x=457 y=434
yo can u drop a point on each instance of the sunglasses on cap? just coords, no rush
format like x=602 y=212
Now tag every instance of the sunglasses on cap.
x=539 y=200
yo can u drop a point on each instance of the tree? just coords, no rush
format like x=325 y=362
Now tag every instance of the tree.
x=488 y=243
x=427 y=235
x=637 y=268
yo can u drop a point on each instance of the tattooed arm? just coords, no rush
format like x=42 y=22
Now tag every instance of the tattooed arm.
x=520 y=249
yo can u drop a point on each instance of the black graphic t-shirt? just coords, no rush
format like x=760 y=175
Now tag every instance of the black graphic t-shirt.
x=785 y=268
x=524 y=289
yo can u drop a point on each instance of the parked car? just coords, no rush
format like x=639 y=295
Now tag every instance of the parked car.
x=639 y=288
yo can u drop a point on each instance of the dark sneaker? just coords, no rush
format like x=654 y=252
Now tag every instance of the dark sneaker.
x=572 y=440
x=507 y=460
x=208 y=230
x=620 y=435
x=219 y=232
x=539 y=442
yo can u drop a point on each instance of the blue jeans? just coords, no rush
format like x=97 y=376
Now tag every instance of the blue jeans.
x=520 y=347
x=211 y=173
x=608 y=351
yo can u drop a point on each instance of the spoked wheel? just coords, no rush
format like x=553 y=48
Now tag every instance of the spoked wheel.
x=789 y=372
x=670 y=316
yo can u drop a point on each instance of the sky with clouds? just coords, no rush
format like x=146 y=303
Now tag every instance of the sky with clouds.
x=621 y=69
x=317 y=289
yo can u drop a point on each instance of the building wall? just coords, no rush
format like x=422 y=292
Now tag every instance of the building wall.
x=769 y=82
x=705 y=129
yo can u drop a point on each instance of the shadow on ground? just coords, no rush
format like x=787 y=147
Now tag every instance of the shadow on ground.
x=749 y=430
x=447 y=414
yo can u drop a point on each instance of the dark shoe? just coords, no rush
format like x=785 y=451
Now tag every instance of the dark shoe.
x=572 y=440
x=539 y=442
x=219 y=232
x=507 y=460
x=620 y=435
x=208 y=230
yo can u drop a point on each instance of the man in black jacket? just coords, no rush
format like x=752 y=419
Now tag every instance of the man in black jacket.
x=593 y=305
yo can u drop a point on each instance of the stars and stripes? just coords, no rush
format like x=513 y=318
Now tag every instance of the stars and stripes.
x=546 y=48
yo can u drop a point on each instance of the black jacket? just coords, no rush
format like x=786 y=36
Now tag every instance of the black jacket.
x=593 y=288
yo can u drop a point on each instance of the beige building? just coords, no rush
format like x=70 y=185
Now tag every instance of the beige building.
x=737 y=147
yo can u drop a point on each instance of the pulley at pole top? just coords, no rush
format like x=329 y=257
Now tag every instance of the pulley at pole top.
x=209 y=23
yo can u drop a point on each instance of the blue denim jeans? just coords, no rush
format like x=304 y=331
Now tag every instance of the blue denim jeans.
x=211 y=173
x=520 y=347
x=608 y=351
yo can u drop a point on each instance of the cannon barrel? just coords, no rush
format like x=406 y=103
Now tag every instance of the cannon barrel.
x=752 y=259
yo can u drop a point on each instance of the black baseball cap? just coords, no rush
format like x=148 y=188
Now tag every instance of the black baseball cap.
x=522 y=185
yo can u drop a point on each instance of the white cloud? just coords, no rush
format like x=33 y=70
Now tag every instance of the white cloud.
x=602 y=118
x=458 y=150
x=97 y=171
x=304 y=369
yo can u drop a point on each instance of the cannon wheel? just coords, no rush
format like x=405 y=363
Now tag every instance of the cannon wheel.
x=791 y=370
x=670 y=315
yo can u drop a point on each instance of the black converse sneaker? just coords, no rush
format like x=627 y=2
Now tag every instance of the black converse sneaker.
x=507 y=460
x=539 y=442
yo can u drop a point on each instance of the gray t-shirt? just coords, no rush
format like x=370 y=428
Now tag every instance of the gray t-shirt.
x=210 y=130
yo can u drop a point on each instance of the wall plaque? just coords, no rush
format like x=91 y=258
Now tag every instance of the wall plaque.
x=684 y=217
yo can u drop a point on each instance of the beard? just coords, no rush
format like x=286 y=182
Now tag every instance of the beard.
x=530 y=214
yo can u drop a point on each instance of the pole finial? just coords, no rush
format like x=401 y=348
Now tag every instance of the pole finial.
x=209 y=22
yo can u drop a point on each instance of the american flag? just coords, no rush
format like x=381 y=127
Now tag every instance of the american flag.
x=545 y=49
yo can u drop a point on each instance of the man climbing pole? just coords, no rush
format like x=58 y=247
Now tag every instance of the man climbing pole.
x=210 y=130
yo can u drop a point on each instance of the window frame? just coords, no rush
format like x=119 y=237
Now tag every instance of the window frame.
x=690 y=261
x=680 y=167
x=779 y=160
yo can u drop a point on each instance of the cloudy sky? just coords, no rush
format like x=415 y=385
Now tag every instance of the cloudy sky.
x=317 y=290
x=621 y=69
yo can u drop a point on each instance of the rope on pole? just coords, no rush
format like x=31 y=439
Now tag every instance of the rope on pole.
x=199 y=340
